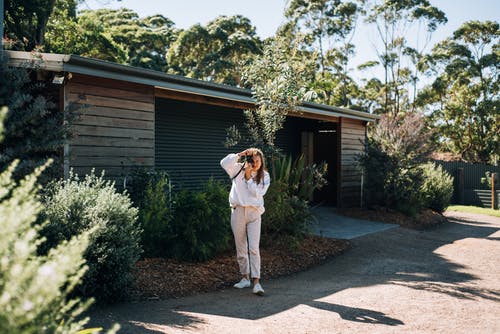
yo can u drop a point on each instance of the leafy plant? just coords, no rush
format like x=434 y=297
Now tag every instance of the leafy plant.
x=35 y=129
x=73 y=206
x=302 y=179
x=200 y=227
x=35 y=290
x=486 y=181
x=437 y=187
x=155 y=217
x=396 y=147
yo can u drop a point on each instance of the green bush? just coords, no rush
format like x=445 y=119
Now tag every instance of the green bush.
x=301 y=179
x=73 y=206
x=155 y=217
x=287 y=217
x=437 y=187
x=200 y=227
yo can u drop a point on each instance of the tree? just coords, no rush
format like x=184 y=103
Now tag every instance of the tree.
x=35 y=129
x=464 y=98
x=26 y=21
x=278 y=79
x=216 y=52
x=393 y=19
x=328 y=27
x=114 y=35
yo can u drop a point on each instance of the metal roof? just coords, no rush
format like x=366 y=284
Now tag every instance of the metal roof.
x=106 y=69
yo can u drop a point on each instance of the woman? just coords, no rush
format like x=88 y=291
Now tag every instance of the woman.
x=250 y=181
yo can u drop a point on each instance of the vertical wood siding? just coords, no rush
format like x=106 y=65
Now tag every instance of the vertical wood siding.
x=115 y=130
x=352 y=143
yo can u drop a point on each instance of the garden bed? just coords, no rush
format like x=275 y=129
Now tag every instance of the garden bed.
x=160 y=278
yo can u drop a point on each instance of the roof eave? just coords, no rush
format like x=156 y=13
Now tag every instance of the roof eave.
x=105 y=69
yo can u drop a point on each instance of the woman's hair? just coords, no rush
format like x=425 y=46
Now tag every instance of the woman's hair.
x=260 y=173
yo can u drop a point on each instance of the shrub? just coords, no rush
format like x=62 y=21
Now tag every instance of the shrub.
x=73 y=206
x=200 y=227
x=437 y=187
x=396 y=147
x=287 y=217
x=35 y=129
x=301 y=179
x=155 y=217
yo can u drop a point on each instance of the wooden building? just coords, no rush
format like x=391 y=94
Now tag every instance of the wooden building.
x=137 y=117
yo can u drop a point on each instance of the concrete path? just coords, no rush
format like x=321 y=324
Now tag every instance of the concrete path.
x=327 y=223
x=446 y=280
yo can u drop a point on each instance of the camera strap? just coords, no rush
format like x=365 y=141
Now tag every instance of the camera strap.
x=242 y=167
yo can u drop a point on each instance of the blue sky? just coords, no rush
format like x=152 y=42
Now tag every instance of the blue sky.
x=267 y=15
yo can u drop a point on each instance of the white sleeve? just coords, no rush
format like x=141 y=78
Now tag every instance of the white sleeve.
x=259 y=189
x=230 y=164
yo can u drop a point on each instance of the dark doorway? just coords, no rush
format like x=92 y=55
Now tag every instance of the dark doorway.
x=326 y=149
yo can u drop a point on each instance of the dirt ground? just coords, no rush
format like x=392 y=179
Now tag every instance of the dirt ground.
x=443 y=280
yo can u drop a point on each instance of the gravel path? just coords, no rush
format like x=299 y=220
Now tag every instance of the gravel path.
x=444 y=280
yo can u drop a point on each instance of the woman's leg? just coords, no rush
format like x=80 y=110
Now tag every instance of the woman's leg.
x=253 y=231
x=238 y=225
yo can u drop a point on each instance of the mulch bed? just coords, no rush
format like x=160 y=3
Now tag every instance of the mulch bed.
x=160 y=278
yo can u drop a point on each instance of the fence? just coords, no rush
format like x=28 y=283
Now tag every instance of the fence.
x=467 y=186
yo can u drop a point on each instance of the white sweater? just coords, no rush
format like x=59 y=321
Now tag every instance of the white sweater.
x=244 y=192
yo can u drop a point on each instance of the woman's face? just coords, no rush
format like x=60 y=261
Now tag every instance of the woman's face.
x=257 y=162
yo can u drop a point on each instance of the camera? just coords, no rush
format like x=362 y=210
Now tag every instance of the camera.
x=247 y=158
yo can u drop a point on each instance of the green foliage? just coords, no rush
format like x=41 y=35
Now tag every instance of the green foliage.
x=73 y=206
x=117 y=35
x=396 y=147
x=486 y=181
x=287 y=216
x=475 y=209
x=155 y=217
x=301 y=179
x=328 y=27
x=35 y=290
x=200 y=228
x=277 y=78
x=25 y=22
x=34 y=128
x=437 y=187
x=399 y=58
x=215 y=52
x=463 y=99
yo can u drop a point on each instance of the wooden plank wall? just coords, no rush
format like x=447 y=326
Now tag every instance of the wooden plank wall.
x=352 y=143
x=115 y=130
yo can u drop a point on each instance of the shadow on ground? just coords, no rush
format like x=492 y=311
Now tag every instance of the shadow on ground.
x=397 y=256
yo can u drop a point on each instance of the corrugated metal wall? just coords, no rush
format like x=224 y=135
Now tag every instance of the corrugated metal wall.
x=472 y=192
x=189 y=139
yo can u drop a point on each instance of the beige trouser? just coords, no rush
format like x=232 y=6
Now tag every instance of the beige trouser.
x=245 y=222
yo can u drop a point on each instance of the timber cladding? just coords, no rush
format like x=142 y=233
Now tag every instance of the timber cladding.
x=352 y=144
x=115 y=128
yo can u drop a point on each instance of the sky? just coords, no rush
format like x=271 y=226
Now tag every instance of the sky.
x=268 y=15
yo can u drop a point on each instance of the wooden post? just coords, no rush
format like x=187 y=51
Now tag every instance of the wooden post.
x=493 y=191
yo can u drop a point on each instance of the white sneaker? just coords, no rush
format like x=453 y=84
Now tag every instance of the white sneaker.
x=244 y=283
x=257 y=289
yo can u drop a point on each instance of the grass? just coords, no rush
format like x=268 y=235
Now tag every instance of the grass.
x=474 y=209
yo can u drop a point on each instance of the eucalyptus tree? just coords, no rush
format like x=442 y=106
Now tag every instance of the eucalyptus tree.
x=216 y=52
x=69 y=34
x=394 y=20
x=464 y=100
x=328 y=27
x=118 y=35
